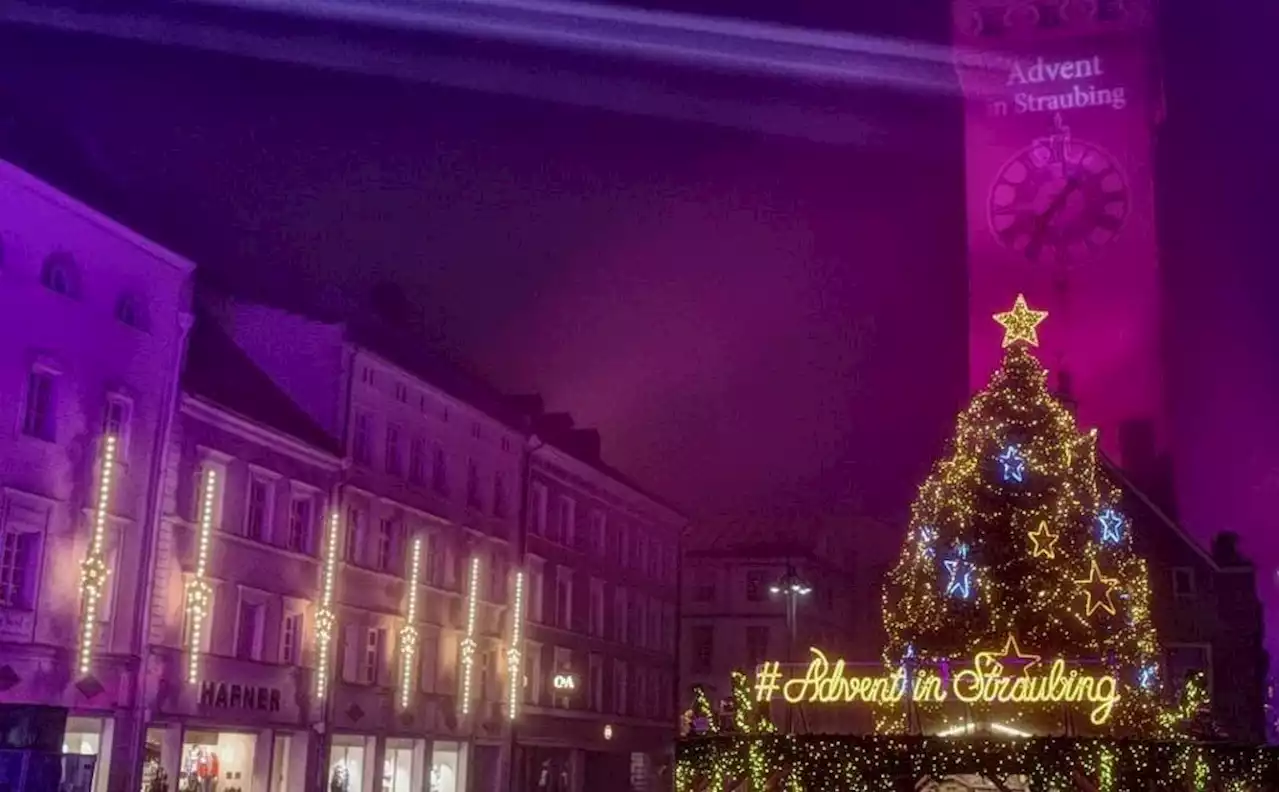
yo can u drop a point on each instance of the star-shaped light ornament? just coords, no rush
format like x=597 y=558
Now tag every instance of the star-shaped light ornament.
x=1098 y=591
x=1013 y=467
x=1020 y=323
x=1012 y=656
x=960 y=569
x=1110 y=525
x=1043 y=541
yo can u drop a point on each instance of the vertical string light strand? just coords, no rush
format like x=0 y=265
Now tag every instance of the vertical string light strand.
x=409 y=632
x=469 y=641
x=198 y=591
x=93 y=570
x=515 y=668
x=325 y=617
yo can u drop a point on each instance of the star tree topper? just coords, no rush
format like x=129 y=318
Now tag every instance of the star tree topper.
x=1020 y=323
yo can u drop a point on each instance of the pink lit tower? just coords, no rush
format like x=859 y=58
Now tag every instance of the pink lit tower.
x=1061 y=106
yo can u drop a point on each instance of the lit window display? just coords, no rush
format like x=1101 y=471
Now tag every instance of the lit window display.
x=216 y=762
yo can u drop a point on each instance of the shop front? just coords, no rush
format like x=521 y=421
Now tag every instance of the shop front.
x=241 y=728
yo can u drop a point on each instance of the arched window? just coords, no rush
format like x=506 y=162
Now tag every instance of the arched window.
x=59 y=274
x=130 y=311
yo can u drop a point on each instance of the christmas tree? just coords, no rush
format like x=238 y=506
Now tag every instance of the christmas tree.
x=1018 y=551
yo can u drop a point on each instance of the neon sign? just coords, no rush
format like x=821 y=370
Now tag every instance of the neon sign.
x=565 y=682
x=983 y=682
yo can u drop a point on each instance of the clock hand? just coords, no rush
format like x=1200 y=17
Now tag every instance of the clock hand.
x=1042 y=222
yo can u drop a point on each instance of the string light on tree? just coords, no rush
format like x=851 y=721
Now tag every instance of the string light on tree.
x=93 y=570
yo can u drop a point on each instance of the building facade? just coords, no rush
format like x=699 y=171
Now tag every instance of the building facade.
x=94 y=319
x=598 y=699
x=425 y=567
x=737 y=590
x=230 y=675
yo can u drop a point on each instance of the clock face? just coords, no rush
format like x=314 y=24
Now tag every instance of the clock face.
x=1058 y=200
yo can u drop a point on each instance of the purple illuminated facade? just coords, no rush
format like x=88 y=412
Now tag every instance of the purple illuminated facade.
x=95 y=320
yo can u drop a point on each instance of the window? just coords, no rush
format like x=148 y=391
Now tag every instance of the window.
x=497 y=579
x=475 y=431
x=702 y=639
x=366 y=375
x=391 y=460
x=59 y=274
x=249 y=631
x=473 y=485
x=499 y=495
x=506 y=444
x=362 y=439
x=619 y=687
x=129 y=312
x=355 y=533
x=37 y=413
x=385 y=548
x=537 y=580
x=430 y=660
x=291 y=639
x=655 y=560
x=539 y=509
x=617 y=541
x=595 y=682
x=642 y=552
x=1184 y=582
x=257 y=509
x=565 y=520
x=704 y=591
x=533 y=657
x=439 y=475
x=620 y=622
x=371 y=660
x=433 y=559
x=115 y=420
x=19 y=555
x=655 y=625
x=402 y=392
x=757 y=646
x=642 y=692
x=299 y=538
x=755 y=585
x=634 y=623
x=418 y=461
x=596 y=605
x=564 y=599
x=598 y=532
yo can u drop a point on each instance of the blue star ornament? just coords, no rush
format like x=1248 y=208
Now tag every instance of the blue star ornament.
x=1013 y=468
x=1110 y=526
x=960 y=569
x=1147 y=676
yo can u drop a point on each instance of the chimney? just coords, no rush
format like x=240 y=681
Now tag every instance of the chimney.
x=585 y=443
x=555 y=425
x=1226 y=550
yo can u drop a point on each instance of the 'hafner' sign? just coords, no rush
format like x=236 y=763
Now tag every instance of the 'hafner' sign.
x=983 y=681
x=224 y=695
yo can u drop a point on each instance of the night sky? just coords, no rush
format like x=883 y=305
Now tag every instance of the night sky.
x=756 y=323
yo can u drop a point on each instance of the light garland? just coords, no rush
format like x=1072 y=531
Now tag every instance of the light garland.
x=469 y=645
x=325 y=618
x=93 y=570
x=409 y=632
x=198 y=590
x=515 y=670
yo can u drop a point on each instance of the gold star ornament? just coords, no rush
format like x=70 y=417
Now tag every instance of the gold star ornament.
x=1020 y=323
x=1098 y=591
x=1043 y=541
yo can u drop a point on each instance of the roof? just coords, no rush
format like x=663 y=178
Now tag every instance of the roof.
x=220 y=372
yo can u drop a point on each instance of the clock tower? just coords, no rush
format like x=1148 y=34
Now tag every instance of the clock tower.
x=1061 y=102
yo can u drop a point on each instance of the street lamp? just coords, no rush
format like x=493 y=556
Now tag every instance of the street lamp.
x=793 y=588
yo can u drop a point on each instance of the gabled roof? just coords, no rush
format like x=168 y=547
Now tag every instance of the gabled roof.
x=1132 y=493
x=220 y=372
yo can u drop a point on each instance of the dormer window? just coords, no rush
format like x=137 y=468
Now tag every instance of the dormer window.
x=129 y=312
x=59 y=274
